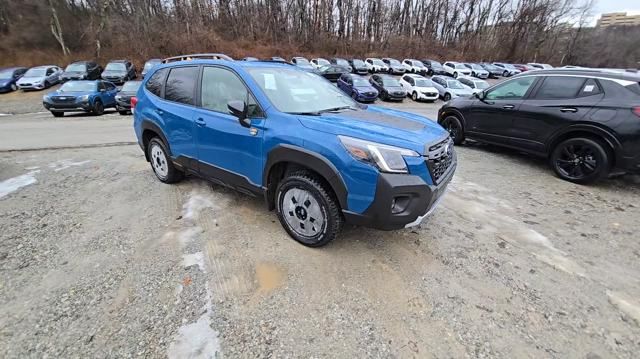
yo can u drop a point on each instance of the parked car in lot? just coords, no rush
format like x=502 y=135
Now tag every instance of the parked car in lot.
x=81 y=96
x=320 y=160
x=394 y=66
x=119 y=71
x=357 y=87
x=250 y=58
x=494 y=71
x=456 y=69
x=419 y=88
x=476 y=85
x=585 y=122
x=40 y=77
x=358 y=67
x=149 y=65
x=538 y=66
x=81 y=70
x=389 y=89
x=302 y=63
x=507 y=69
x=341 y=62
x=124 y=95
x=319 y=62
x=375 y=65
x=332 y=72
x=434 y=67
x=449 y=88
x=415 y=66
x=8 y=78
x=523 y=68
x=477 y=71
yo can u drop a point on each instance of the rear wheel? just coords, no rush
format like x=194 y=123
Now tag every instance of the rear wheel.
x=453 y=125
x=307 y=209
x=57 y=113
x=161 y=162
x=581 y=160
x=98 y=108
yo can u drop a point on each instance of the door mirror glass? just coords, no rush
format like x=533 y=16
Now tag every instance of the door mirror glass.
x=240 y=110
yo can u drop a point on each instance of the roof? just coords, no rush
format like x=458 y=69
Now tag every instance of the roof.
x=43 y=66
x=602 y=73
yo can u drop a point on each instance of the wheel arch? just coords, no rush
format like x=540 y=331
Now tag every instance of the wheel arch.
x=452 y=111
x=149 y=131
x=285 y=158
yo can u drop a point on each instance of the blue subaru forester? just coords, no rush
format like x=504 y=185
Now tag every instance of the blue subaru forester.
x=269 y=129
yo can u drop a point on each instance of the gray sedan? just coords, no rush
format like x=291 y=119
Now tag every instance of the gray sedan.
x=450 y=88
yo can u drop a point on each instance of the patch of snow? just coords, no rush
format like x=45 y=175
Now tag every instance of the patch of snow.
x=195 y=205
x=625 y=304
x=188 y=235
x=13 y=184
x=192 y=259
x=32 y=168
x=5 y=114
x=64 y=164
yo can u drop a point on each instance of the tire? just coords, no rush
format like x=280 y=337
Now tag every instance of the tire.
x=14 y=87
x=447 y=96
x=161 y=163
x=123 y=113
x=414 y=96
x=46 y=84
x=505 y=74
x=313 y=221
x=384 y=96
x=453 y=125
x=57 y=113
x=98 y=108
x=354 y=96
x=455 y=74
x=581 y=160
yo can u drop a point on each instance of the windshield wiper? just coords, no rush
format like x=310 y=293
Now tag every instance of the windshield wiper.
x=304 y=113
x=335 y=109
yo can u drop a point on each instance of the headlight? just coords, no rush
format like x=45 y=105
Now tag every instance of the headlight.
x=84 y=98
x=45 y=98
x=386 y=158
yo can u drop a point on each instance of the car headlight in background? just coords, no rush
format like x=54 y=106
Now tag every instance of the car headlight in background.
x=386 y=158
x=84 y=98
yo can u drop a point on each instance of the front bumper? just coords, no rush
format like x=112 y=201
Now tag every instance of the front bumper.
x=123 y=105
x=68 y=107
x=366 y=98
x=428 y=96
x=39 y=86
x=402 y=201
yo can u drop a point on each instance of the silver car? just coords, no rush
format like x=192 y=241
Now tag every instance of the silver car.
x=40 y=77
x=450 y=88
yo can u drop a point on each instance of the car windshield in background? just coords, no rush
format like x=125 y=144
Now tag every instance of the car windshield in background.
x=481 y=85
x=302 y=61
x=510 y=67
x=116 y=66
x=436 y=64
x=295 y=91
x=360 y=82
x=358 y=63
x=390 y=81
x=323 y=62
x=342 y=63
x=379 y=62
x=417 y=63
x=76 y=68
x=131 y=86
x=476 y=67
x=6 y=74
x=393 y=62
x=78 y=86
x=461 y=66
x=149 y=65
x=35 y=73
x=423 y=83
x=456 y=85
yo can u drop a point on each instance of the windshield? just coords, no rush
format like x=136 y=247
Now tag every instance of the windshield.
x=295 y=91
x=78 y=86
x=358 y=63
x=6 y=74
x=322 y=62
x=454 y=84
x=342 y=62
x=417 y=63
x=481 y=85
x=460 y=66
x=423 y=83
x=358 y=81
x=149 y=64
x=131 y=86
x=302 y=61
x=476 y=67
x=393 y=62
x=76 y=68
x=436 y=64
x=35 y=72
x=378 y=62
x=116 y=66
x=510 y=67
x=390 y=81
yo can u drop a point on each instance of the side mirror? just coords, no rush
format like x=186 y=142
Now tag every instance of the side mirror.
x=240 y=110
x=480 y=95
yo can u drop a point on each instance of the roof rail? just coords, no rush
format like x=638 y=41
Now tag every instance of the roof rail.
x=197 y=57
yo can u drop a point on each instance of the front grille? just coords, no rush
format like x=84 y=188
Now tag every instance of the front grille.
x=430 y=94
x=370 y=93
x=399 y=93
x=439 y=158
x=64 y=99
x=25 y=84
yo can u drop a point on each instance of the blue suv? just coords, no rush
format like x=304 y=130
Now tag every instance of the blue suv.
x=81 y=96
x=316 y=156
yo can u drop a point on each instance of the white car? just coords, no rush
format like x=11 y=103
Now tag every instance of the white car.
x=415 y=66
x=375 y=65
x=40 y=77
x=476 y=85
x=456 y=69
x=419 y=88
x=319 y=62
x=540 y=66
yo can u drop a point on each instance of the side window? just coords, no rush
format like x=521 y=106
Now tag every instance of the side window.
x=560 y=87
x=50 y=71
x=293 y=60
x=511 y=90
x=101 y=86
x=349 y=80
x=110 y=86
x=180 y=85
x=369 y=62
x=219 y=86
x=406 y=78
x=154 y=85
x=590 y=88
x=411 y=81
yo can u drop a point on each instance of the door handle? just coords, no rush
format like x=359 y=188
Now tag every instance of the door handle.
x=569 y=109
x=508 y=107
x=200 y=122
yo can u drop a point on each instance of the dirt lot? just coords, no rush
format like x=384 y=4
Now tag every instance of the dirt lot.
x=99 y=259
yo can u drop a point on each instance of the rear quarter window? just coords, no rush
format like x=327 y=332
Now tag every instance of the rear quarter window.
x=154 y=85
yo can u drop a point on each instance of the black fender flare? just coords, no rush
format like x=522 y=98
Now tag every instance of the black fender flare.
x=312 y=160
x=149 y=125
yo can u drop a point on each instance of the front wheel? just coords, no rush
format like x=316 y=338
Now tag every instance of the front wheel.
x=307 y=209
x=453 y=125
x=505 y=74
x=414 y=96
x=98 y=108
x=161 y=162
x=455 y=74
x=581 y=160
x=354 y=96
x=14 y=87
x=447 y=96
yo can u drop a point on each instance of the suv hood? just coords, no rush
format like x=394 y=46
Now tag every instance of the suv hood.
x=70 y=93
x=365 y=88
x=114 y=72
x=462 y=92
x=379 y=124
x=426 y=89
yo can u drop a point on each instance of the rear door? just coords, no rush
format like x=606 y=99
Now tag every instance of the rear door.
x=109 y=96
x=227 y=151
x=558 y=102
x=177 y=111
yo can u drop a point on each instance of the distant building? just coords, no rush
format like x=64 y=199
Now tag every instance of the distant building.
x=618 y=19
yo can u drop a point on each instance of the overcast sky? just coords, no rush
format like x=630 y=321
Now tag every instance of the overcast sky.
x=603 y=6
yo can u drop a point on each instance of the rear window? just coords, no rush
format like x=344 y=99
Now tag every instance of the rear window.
x=180 y=85
x=154 y=85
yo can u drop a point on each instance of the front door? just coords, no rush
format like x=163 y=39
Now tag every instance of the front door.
x=227 y=151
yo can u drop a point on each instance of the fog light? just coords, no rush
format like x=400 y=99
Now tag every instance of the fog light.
x=399 y=204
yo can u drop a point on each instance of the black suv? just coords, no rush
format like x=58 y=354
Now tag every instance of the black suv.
x=81 y=70
x=119 y=71
x=586 y=122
